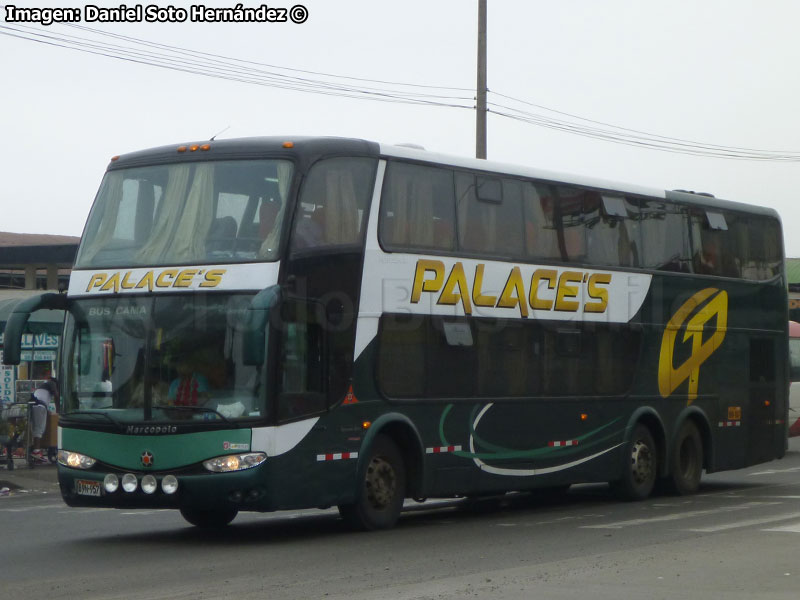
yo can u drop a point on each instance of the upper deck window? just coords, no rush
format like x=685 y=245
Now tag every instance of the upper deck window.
x=188 y=213
x=333 y=204
x=417 y=208
x=489 y=215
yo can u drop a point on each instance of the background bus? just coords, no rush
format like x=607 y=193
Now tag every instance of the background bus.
x=264 y=324
x=794 y=390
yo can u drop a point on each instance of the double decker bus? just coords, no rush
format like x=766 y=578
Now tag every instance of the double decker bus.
x=264 y=324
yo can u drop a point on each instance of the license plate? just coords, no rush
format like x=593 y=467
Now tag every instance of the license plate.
x=87 y=488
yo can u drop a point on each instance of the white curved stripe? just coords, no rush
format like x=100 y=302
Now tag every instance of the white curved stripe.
x=279 y=439
x=543 y=471
x=524 y=472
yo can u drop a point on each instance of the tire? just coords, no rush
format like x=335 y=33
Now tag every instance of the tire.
x=381 y=491
x=208 y=519
x=686 y=460
x=640 y=466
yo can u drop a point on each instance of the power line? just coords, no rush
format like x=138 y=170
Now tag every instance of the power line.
x=200 y=53
x=610 y=125
x=226 y=71
x=218 y=66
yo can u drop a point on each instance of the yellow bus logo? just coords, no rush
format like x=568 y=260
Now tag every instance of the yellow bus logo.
x=704 y=310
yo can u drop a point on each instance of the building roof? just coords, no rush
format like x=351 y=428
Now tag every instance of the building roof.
x=8 y=238
x=18 y=250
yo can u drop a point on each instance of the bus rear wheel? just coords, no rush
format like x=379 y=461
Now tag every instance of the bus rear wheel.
x=686 y=460
x=209 y=518
x=640 y=467
x=381 y=491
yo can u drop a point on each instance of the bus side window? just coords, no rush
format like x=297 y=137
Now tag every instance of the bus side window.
x=333 y=203
x=759 y=241
x=417 y=208
x=541 y=233
x=572 y=203
x=489 y=214
x=665 y=237
x=611 y=235
x=715 y=250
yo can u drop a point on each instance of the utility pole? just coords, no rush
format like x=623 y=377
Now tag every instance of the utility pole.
x=480 y=109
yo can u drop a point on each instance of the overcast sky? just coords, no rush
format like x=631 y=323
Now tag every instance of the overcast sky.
x=717 y=72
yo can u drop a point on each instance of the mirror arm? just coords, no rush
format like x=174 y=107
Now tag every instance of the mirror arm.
x=18 y=319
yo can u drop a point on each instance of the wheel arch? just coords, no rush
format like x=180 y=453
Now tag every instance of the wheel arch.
x=700 y=420
x=402 y=432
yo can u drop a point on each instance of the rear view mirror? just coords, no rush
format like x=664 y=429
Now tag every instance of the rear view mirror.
x=254 y=340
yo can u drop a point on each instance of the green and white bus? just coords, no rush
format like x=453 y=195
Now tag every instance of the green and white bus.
x=266 y=323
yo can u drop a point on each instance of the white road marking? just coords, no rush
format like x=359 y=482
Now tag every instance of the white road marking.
x=773 y=471
x=677 y=516
x=792 y=528
x=746 y=523
x=29 y=508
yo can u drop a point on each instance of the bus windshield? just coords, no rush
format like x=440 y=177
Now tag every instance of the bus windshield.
x=187 y=213
x=161 y=358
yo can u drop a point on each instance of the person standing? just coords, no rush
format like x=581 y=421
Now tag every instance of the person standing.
x=43 y=396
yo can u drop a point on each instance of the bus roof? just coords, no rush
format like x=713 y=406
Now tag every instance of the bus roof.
x=312 y=148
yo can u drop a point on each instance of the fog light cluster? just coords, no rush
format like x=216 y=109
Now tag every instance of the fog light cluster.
x=234 y=462
x=149 y=483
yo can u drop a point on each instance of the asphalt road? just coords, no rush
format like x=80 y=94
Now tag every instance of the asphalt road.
x=738 y=538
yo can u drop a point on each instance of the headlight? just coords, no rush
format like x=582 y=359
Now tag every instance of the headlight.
x=234 y=462
x=75 y=460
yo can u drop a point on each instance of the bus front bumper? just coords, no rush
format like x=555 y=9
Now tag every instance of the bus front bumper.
x=244 y=490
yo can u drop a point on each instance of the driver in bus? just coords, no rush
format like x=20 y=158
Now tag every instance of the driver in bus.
x=189 y=388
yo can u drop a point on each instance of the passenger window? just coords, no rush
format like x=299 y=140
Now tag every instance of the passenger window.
x=665 y=236
x=759 y=243
x=489 y=214
x=572 y=206
x=715 y=249
x=611 y=233
x=433 y=357
x=540 y=222
x=401 y=360
x=417 y=208
x=333 y=203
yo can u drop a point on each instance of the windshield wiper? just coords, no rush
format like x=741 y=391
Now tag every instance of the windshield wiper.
x=202 y=409
x=105 y=415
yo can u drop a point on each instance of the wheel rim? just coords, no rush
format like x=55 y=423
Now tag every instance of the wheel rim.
x=642 y=462
x=381 y=483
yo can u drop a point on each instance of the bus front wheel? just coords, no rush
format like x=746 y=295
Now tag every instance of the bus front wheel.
x=381 y=490
x=686 y=460
x=209 y=518
x=640 y=466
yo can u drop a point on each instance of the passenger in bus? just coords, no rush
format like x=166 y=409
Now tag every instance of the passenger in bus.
x=309 y=230
x=711 y=260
